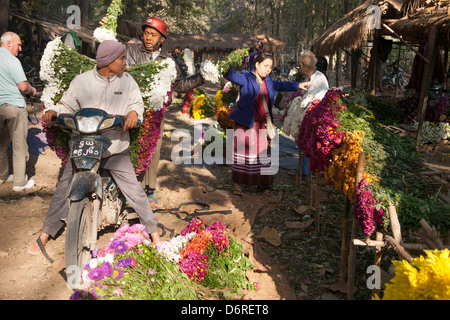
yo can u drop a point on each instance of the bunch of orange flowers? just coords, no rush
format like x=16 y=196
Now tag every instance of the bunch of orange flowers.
x=222 y=117
x=198 y=244
x=341 y=169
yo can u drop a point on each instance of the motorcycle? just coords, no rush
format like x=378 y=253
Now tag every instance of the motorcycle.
x=95 y=201
x=396 y=75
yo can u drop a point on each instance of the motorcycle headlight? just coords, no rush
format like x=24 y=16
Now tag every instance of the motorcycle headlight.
x=88 y=124
x=107 y=123
x=70 y=123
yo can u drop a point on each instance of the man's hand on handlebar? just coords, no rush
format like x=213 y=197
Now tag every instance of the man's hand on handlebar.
x=131 y=120
x=47 y=117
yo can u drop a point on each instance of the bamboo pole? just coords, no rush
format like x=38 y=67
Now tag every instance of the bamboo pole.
x=395 y=224
x=406 y=43
x=402 y=253
x=352 y=249
x=310 y=190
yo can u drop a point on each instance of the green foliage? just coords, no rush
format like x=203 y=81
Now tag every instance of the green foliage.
x=70 y=63
x=227 y=270
x=114 y=11
x=394 y=161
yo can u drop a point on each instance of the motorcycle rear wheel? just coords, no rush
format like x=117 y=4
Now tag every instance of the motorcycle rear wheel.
x=78 y=234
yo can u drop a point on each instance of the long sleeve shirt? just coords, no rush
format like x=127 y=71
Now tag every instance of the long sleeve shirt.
x=116 y=95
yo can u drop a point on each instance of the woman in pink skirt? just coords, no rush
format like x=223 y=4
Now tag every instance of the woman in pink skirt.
x=252 y=157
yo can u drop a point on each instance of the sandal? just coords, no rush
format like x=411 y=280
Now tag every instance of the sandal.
x=38 y=244
x=237 y=192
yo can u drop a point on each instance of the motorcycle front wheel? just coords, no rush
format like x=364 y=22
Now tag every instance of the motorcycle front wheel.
x=78 y=234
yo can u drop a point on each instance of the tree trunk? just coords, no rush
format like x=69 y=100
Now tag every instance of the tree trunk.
x=4 y=16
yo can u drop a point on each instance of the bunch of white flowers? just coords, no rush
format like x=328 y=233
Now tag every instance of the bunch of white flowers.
x=102 y=34
x=297 y=109
x=48 y=74
x=160 y=84
x=189 y=61
x=433 y=132
x=210 y=72
x=171 y=249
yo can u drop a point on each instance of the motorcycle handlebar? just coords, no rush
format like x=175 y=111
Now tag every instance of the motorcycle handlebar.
x=55 y=122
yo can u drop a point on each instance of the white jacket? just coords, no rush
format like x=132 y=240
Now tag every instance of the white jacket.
x=116 y=95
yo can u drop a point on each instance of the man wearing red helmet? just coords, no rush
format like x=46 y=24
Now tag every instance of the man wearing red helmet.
x=154 y=34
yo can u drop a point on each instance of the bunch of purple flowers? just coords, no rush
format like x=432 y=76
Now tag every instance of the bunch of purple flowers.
x=368 y=216
x=319 y=132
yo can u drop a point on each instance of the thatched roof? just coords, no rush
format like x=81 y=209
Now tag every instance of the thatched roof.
x=54 y=27
x=210 y=42
x=419 y=19
x=351 y=31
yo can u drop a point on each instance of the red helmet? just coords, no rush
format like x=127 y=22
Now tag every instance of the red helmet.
x=156 y=23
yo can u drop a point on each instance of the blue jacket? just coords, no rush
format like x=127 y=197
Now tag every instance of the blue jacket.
x=244 y=113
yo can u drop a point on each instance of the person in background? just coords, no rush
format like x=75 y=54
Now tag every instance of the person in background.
x=317 y=81
x=13 y=113
x=152 y=49
x=252 y=163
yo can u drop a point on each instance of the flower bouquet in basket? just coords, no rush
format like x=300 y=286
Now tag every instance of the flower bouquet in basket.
x=212 y=71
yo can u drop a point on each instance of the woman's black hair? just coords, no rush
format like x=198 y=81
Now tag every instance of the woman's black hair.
x=261 y=57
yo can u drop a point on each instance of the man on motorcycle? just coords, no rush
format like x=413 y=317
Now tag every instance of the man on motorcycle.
x=110 y=88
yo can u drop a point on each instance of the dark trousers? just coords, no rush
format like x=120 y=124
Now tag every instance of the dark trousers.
x=122 y=171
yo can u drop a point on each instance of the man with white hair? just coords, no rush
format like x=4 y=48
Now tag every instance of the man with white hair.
x=13 y=113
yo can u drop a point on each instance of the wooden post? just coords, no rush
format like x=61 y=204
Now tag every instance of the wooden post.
x=344 y=243
x=352 y=249
x=395 y=224
x=317 y=205
x=431 y=50
x=310 y=190
x=398 y=70
x=377 y=259
x=338 y=66
x=298 y=176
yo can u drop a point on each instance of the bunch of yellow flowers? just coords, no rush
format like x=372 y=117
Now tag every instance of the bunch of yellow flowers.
x=197 y=107
x=218 y=99
x=425 y=278
x=341 y=169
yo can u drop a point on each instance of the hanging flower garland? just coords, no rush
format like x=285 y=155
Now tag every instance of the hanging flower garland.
x=365 y=208
x=318 y=133
x=341 y=169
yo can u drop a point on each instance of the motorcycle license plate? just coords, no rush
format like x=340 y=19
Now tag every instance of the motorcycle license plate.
x=85 y=147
